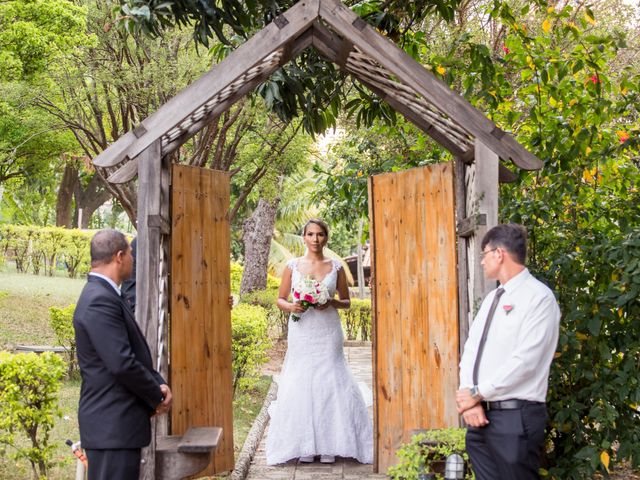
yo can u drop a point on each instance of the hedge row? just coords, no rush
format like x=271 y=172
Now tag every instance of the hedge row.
x=43 y=249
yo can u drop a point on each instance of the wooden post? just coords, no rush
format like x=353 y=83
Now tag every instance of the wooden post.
x=148 y=269
x=483 y=208
x=463 y=265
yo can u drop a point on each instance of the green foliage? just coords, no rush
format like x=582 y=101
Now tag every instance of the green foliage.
x=553 y=85
x=33 y=247
x=277 y=319
x=33 y=33
x=29 y=386
x=425 y=449
x=357 y=319
x=61 y=321
x=236 y=277
x=249 y=344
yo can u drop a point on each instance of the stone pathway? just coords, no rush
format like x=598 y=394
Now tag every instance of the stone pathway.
x=359 y=359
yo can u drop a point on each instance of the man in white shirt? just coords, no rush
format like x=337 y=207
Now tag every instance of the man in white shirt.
x=504 y=368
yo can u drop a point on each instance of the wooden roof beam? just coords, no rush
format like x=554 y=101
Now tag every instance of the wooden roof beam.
x=175 y=111
x=129 y=170
x=347 y=23
x=329 y=45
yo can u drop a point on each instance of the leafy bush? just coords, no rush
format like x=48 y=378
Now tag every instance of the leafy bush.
x=273 y=283
x=236 y=277
x=61 y=321
x=357 y=319
x=29 y=385
x=37 y=247
x=278 y=320
x=425 y=449
x=249 y=344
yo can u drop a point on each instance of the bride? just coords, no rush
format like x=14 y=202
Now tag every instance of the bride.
x=320 y=409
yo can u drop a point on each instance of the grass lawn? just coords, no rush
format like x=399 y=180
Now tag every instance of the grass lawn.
x=24 y=319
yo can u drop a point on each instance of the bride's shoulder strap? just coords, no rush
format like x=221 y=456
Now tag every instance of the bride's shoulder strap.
x=291 y=264
x=337 y=265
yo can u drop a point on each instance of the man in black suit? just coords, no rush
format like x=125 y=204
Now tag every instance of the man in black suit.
x=120 y=389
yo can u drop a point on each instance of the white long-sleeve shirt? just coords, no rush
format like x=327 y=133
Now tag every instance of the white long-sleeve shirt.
x=520 y=343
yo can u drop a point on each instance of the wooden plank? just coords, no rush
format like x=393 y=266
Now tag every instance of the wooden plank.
x=468 y=225
x=410 y=72
x=200 y=314
x=463 y=272
x=147 y=272
x=374 y=323
x=300 y=44
x=250 y=53
x=415 y=305
x=200 y=440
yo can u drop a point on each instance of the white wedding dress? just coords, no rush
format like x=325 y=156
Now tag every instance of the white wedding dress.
x=320 y=409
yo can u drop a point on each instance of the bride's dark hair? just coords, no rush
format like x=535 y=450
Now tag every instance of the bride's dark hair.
x=318 y=222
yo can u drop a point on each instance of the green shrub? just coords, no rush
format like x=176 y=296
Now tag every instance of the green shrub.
x=236 y=277
x=278 y=320
x=427 y=448
x=249 y=344
x=273 y=283
x=61 y=321
x=76 y=253
x=42 y=248
x=29 y=386
x=357 y=319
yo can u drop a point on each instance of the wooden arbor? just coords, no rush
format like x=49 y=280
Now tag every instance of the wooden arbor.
x=476 y=143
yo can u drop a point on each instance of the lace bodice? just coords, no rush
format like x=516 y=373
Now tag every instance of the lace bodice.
x=330 y=279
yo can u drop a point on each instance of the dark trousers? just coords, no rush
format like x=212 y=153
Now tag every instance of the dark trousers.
x=122 y=464
x=509 y=447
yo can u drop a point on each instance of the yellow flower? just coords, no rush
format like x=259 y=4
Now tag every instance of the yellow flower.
x=441 y=70
x=546 y=25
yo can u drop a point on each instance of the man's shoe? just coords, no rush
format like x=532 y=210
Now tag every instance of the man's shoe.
x=327 y=459
x=307 y=459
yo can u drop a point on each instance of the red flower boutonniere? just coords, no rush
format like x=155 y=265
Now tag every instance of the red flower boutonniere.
x=507 y=309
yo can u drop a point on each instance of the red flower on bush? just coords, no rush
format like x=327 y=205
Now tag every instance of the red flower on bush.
x=506 y=50
x=594 y=78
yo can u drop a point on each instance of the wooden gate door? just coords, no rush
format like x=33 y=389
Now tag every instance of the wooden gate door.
x=415 y=325
x=201 y=376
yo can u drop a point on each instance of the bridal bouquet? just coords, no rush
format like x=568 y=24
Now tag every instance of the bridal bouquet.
x=309 y=293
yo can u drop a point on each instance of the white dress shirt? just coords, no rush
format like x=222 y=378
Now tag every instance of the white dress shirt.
x=520 y=344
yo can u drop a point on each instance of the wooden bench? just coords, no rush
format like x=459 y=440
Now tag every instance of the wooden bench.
x=180 y=456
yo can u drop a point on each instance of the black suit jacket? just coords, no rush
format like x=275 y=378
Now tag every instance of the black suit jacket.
x=120 y=390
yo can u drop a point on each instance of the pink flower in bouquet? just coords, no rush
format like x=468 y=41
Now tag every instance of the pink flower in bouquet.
x=309 y=293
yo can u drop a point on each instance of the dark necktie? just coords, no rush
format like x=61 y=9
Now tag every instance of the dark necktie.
x=483 y=339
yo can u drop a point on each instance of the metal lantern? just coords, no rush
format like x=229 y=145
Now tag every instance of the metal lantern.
x=454 y=467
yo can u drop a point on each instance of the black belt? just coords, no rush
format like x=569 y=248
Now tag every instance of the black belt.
x=508 y=404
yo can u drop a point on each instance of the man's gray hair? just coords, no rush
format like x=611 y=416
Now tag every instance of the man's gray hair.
x=105 y=244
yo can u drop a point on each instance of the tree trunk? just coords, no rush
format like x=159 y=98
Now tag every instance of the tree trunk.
x=90 y=199
x=65 y=196
x=257 y=231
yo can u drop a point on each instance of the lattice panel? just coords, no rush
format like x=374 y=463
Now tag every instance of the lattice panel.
x=364 y=67
x=269 y=63
x=471 y=208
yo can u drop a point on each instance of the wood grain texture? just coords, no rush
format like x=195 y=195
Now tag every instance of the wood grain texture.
x=415 y=303
x=201 y=372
